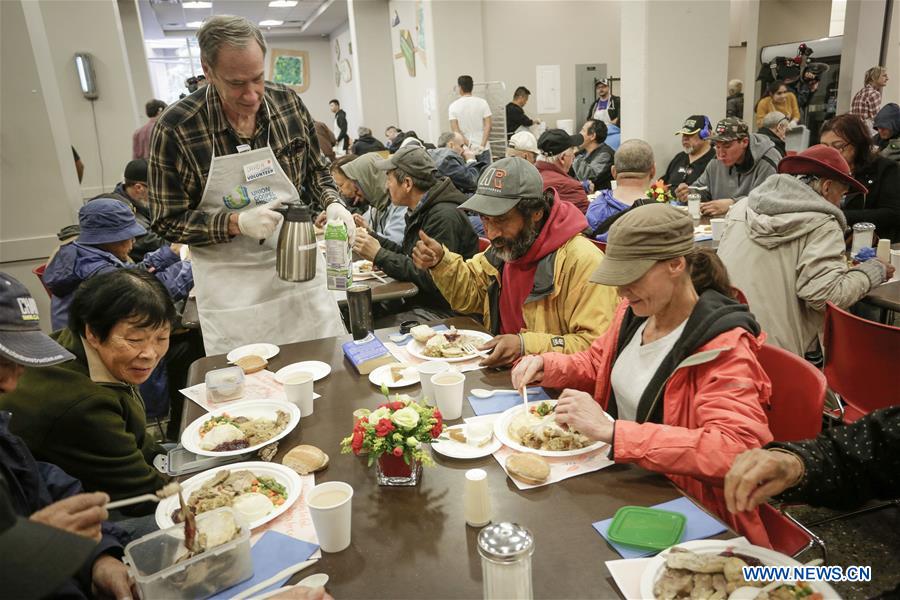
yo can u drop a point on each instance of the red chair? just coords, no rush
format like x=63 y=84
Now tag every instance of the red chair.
x=483 y=244
x=794 y=413
x=739 y=295
x=859 y=362
x=599 y=244
x=39 y=273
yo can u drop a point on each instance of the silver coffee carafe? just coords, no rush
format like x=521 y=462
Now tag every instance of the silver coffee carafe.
x=296 y=251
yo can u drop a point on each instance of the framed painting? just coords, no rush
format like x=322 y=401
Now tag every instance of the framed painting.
x=290 y=68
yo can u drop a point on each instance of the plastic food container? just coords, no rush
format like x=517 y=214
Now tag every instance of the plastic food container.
x=224 y=385
x=151 y=562
x=647 y=528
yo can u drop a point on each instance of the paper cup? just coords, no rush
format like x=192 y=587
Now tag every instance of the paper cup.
x=895 y=260
x=718 y=228
x=426 y=370
x=448 y=393
x=330 y=508
x=694 y=207
x=298 y=387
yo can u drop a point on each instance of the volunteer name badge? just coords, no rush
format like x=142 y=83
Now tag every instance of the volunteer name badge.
x=260 y=168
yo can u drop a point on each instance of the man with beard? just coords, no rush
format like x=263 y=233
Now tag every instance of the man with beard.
x=687 y=166
x=530 y=285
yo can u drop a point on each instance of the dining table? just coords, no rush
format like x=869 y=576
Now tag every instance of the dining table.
x=413 y=542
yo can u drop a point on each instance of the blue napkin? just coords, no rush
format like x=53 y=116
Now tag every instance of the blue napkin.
x=503 y=401
x=273 y=552
x=702 y=237
x=699 y=525
x=409 y=339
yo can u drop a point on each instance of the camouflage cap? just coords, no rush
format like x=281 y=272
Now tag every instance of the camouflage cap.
x=730 y=128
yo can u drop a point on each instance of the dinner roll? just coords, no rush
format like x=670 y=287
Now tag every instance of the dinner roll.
x=528 y=468
x=251 y=363
x=305 y=459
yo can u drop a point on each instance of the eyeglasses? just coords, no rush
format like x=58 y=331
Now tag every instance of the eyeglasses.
x=839 y=145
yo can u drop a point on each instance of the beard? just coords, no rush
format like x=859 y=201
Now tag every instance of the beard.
x=507 y=249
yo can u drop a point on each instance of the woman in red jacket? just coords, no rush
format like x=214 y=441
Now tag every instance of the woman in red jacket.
x=677 y=369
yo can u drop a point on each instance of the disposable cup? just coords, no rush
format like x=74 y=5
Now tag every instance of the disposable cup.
x=718 y=228
x=298 y=387
x=448 y=393
x=426 y=370
x=330 y=506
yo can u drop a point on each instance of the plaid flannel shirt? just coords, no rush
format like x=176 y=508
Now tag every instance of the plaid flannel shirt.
x=866 y=103
x=181 y=151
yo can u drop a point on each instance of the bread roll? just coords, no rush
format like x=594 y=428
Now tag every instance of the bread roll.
x=251 y=363
x=305 y=459
x=528 y=468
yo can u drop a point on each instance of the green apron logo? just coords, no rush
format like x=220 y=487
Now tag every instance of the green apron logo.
x=237 y=199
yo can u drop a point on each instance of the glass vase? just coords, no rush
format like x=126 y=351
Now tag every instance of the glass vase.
x=393 y=471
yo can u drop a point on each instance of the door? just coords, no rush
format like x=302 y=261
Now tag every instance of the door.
x=586 y=76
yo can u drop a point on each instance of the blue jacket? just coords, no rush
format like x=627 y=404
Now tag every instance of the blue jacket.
x=601 y=208
x=76 y=262
x=34 y=485
x=464 y=175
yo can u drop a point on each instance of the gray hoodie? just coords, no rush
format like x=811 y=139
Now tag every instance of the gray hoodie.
x=784 y=248
x=729 y=182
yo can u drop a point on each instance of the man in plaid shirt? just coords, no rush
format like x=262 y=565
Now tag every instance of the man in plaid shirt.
x=221 y=160
x=867 y=101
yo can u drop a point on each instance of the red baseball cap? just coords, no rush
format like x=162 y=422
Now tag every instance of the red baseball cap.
x=822 y=161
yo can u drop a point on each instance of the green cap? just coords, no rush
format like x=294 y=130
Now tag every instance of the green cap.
x=641 y=238
x=503 y=184
x=730 y=128
x=412 y=160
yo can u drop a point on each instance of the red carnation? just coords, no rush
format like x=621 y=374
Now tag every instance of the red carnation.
x=357 y=442
x=383 y=427
x=437 y=429
x=396 y=405
x=398 y=451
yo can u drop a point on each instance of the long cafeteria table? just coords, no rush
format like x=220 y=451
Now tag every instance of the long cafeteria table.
x=413 y=542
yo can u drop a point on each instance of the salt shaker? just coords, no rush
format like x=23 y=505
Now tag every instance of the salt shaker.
x=506 y=550
x=476 y=501
x=863 y=236
x=693 y=203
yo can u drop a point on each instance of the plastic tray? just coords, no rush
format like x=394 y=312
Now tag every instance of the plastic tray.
x=648 y=528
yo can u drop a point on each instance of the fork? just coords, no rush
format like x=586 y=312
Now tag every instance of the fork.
x=471 y=349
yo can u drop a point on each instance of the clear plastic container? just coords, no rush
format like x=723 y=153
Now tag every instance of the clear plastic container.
x=224 y=385
x=151 y=562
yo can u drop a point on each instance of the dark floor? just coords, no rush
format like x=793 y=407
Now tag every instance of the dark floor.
x=869 y=539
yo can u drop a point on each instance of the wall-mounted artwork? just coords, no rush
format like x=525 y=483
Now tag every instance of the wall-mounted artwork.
x=290 y=68
x=343 y=71
x=412 y=44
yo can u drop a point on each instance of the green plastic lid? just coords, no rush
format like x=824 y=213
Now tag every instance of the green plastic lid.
x=647 y=528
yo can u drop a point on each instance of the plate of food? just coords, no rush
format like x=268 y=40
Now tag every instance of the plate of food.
x=466 y=441
x=262 y=350
x=364 y=269
x=241 y=428
x=449 y=345
x=712 y=569
x=394 y=375
x=316 y=368
x=257 y=491
x=538 y=432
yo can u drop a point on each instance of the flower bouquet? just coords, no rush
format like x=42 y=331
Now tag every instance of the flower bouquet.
x=660 y=192
x=393 y=436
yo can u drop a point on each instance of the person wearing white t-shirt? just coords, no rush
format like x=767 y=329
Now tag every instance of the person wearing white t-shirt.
x=471 y=116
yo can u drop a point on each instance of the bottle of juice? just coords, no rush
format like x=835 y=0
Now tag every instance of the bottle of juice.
x=338 y=256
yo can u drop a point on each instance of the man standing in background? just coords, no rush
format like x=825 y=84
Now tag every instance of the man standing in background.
x=340 y=124
x=140 y=141
x=606 y=107
x=471 y=116
x=515 y=111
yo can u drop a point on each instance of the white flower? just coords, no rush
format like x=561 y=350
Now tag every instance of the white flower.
x=406 y=418
x=378 y=414
x=412 y=442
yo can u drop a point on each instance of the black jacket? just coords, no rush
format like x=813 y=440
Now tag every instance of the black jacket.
x=734 y=106
x=365 y=144
x=881 y=205
x=613 y=109
x=848 y=466
x=343 y=140
x=439 y=216
x=515 y=118
x=779 y=143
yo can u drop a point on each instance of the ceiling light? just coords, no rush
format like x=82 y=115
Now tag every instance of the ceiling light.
x=270 y=23
x=195 y=24
x=196 y=4
x=282 y=3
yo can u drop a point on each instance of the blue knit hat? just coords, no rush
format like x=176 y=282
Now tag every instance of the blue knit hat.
x=106 y=220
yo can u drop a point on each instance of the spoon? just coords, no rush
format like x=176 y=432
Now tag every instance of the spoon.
x=313 y=581
x=482 y=393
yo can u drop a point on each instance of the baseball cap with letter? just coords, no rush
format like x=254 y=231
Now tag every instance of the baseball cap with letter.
x=730 y=128
x=502 y=185
x=21 y=338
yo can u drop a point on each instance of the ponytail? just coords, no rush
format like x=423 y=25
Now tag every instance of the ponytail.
x=708 y=272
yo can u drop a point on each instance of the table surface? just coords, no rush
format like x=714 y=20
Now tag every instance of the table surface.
x=886 y=295
x=413 y=542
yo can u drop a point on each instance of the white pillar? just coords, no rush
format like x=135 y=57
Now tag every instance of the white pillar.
x=863 y=25
x=674 y=64
x=370 y=32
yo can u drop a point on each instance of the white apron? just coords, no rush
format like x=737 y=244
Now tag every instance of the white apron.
x=240 y=298
x=602 y=114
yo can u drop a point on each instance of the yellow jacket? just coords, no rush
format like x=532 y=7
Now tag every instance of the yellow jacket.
x=563 y=313
x=789 y=108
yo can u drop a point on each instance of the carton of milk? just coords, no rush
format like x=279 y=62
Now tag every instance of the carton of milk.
x=338 y=256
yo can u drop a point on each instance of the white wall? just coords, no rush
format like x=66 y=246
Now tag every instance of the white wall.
x=863 y=25
x=416 y=94
x=782 y=21
x=94 y=27
x=519 y=35
x=321 y=73
x=137 y=55
x=459 y=47
x=370 y=27
x=345 y=91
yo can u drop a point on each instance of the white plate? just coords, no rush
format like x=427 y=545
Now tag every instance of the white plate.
x=280 y=473
x=657 y=564
x=417 y=349
x=267 y=351
x=454 y=449
x=363 y=275
x=318 y=369
x=501 y=431
x=382 y=375
x=190 y=437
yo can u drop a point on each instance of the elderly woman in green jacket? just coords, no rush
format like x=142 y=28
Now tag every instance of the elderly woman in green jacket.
x=86 y=415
